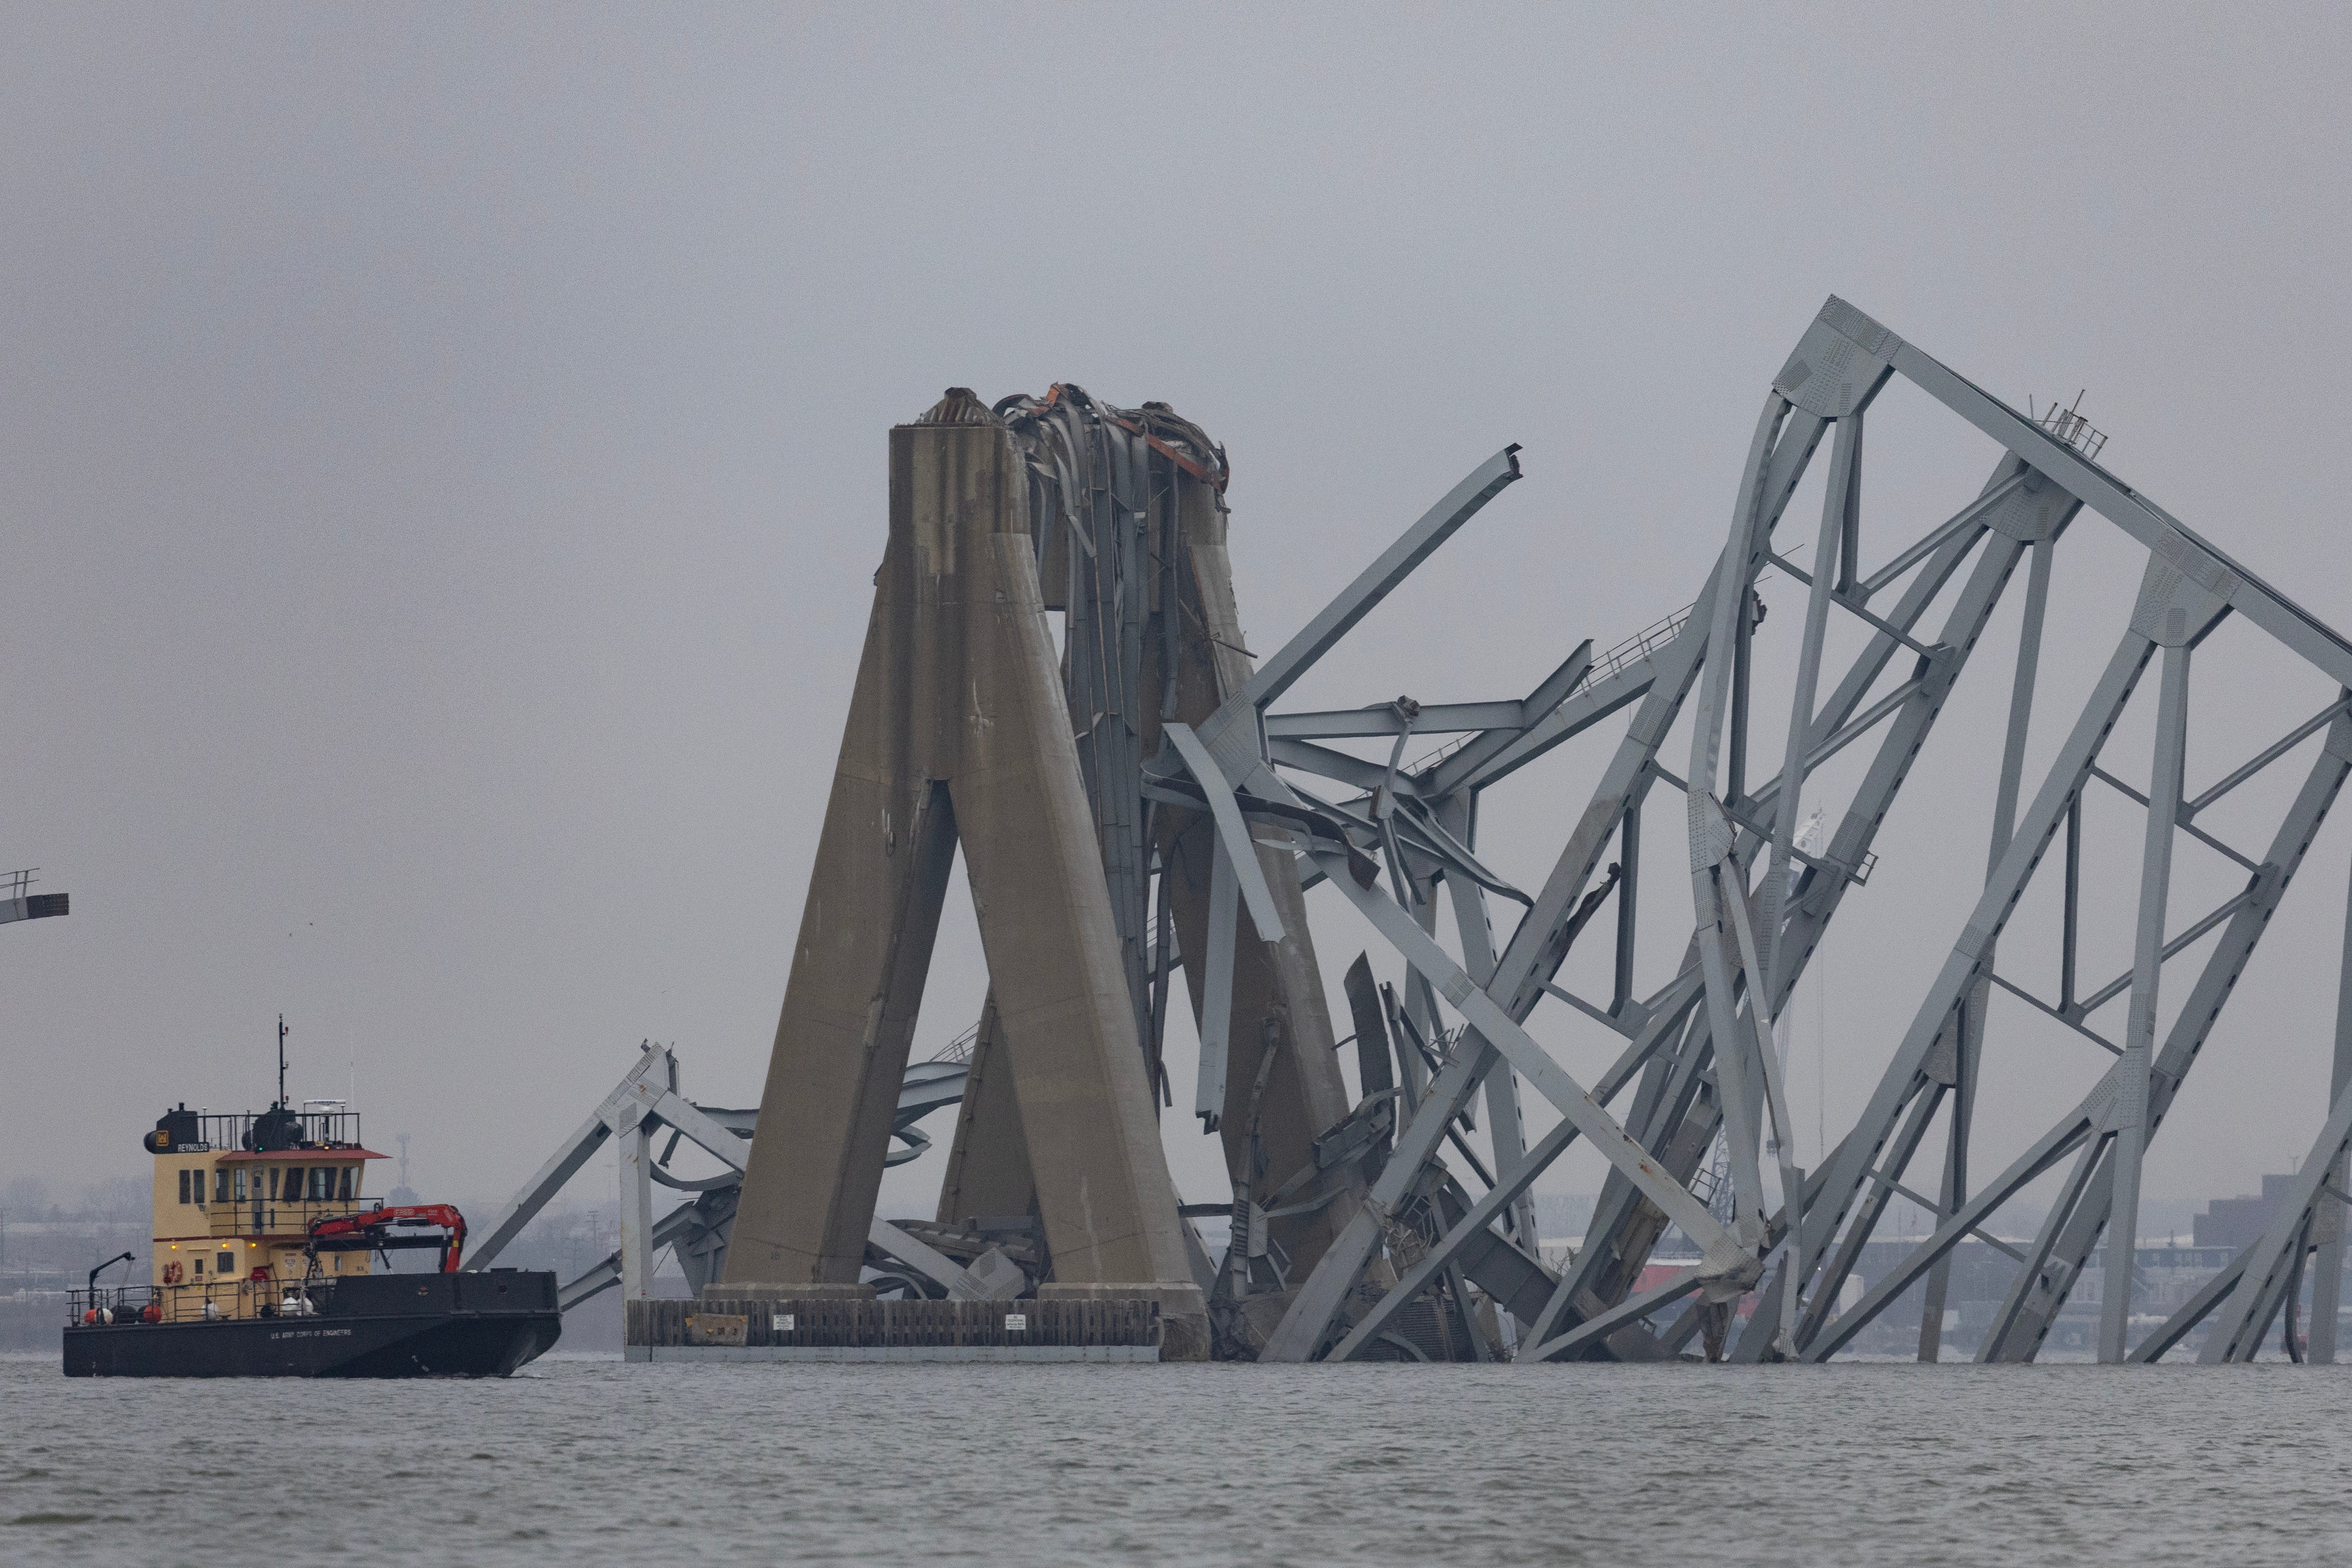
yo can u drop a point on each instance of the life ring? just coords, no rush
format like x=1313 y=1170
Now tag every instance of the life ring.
x=172 y=1273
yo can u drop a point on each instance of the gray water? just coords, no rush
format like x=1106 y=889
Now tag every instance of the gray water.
x=584 y=1460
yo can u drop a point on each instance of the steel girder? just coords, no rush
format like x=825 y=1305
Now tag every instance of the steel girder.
x=641 y=1106
x=1347 y=1221
x=1133 y=538
x=1698 y=1051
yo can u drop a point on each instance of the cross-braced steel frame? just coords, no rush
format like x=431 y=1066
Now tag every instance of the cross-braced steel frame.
x=1360 y=1234
x=1696 y=1062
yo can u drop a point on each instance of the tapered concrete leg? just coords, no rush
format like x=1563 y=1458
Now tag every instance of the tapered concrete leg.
x=988 y=1171
x=960 y=725
x=1272 y=1007
x=1278 y=994
x=865 y=949
x=1052 y=955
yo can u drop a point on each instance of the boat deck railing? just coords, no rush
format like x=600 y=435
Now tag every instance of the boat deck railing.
x=272 y=1218
x=229 y=1301
x=320 y=1127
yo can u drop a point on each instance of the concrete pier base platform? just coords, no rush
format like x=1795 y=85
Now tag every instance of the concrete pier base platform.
x=832 y=1328
x=902 y=1353
x=1183 y=1312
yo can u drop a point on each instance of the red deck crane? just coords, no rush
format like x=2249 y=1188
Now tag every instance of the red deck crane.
x=364 y=1232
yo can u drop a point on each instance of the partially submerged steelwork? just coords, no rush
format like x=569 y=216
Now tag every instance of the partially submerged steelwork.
x=1377 y=1231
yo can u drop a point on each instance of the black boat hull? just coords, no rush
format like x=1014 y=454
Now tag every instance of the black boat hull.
x=398 y=1325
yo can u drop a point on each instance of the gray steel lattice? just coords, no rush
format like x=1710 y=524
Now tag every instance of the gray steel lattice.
x=1382 y=1231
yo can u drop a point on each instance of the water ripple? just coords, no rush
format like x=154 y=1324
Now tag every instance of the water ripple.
x=586 y=1462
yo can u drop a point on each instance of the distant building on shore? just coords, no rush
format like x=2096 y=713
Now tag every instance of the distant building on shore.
x=2234 y=1222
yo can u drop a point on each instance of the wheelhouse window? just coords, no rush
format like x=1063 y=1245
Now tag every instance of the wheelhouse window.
x=240 y=1184
x=343 y=1189
x=183 y=1186
x=322 y=1183
x=292 y=1189
x=220 y=1187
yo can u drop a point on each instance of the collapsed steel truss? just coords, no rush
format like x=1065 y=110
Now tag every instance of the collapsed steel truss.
x=1350 y=1226
x=1762 y=906
x=644 y=1104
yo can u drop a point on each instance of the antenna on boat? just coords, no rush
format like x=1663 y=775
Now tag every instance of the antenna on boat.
x=282 y=1059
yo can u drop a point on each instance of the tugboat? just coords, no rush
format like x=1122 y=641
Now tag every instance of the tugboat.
x=261 y=1265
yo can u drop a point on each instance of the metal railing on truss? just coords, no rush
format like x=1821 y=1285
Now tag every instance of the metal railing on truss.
x=1638 y=647
x=960 y=1048
x=1605 y=667
x=1711 y=1183
x=2069 y=426
x=15 y=884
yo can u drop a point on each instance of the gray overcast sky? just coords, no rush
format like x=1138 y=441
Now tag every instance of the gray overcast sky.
x=441 y=453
